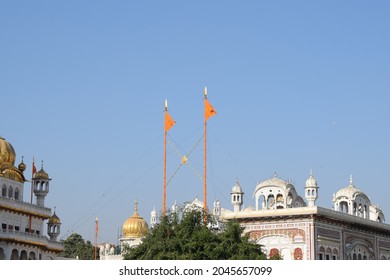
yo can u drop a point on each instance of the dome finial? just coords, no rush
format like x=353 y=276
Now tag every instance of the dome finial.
x=351 y=180
x=136 y=206
x=311 y=172
x=42 y=164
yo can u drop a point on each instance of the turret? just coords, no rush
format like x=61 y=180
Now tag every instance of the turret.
x=53 y=227
x=153 y=218
x=237 y=197
x=217 y=208
x=41 y=186
x=311 y=191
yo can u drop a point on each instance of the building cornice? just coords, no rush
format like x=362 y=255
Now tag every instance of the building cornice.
x=24 y=208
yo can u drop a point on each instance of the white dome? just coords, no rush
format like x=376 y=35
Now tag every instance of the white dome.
x=196 y=204
x=236 y=188
x=311 y=182
x=349 y=191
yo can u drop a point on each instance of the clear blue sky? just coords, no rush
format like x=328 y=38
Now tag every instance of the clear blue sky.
x=297 y=85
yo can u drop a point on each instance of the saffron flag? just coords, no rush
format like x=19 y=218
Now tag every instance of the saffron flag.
x=34 y=169
x=169 y=122
x=208 y=110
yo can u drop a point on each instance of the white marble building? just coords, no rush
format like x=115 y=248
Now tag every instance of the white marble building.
x=284 y=223
x=22 y=234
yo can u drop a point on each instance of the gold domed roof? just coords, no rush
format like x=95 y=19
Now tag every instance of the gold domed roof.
x=54 y=219
x=7 y=152
x=135 y=226
x=41 y=174
x=22 y=166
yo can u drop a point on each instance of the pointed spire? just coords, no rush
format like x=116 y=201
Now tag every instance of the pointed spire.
x=136 y=206
x=205 y=92
x=166 y=105
x=350 y=180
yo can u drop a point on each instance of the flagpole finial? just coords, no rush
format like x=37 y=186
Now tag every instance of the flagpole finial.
x=166 y=105
x=205 y=92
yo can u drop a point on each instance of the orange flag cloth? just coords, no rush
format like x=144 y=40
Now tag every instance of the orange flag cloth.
x=169 y=122
x=208 y=110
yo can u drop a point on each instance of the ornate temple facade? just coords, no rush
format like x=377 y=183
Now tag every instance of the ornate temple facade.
x=22 y=234
x=285 y=224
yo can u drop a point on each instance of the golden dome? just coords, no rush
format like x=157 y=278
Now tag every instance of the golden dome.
x=41 y=174
x=7 y=152
x=135 y=226
x=54 y=219
x=22 y=166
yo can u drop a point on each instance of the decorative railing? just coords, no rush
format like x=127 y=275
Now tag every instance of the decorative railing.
x=31 y=238
x=24 y=207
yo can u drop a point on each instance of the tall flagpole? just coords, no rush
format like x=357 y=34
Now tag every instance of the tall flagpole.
x=168 y=123
x=208 y=112
x=96 y=237
x=205 y=159
x=164 y=207
x=33 y=171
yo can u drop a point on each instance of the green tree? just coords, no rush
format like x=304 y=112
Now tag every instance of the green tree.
x=76 y=247
x=189 y=238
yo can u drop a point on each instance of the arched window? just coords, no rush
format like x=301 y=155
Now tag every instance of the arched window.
x=273 y=253
x=32 y=256
x=10 y=190
x=270 y=201
x=23 y=255
x=321 y=253
x=4 y=190
x=262 y=202
x=17 y=194
x=335 y=254
x=2 y=255
x=328 y=253
x=298 y=255
x=14 y=255
x=343 y=207
x=279 y=201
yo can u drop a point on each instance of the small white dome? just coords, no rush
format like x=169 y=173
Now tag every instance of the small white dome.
x=311 y=182
x=349 y=191
x=236 y=188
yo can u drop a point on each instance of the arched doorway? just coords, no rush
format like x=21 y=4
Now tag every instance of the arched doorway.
x=14 y=255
